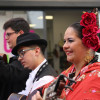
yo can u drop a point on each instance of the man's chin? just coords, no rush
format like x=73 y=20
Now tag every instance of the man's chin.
x=11 y=47
x=26 y=67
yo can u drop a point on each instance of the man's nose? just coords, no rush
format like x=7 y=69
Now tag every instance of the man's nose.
x=19 y=58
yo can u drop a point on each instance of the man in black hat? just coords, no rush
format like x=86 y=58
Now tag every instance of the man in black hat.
x=30 y=50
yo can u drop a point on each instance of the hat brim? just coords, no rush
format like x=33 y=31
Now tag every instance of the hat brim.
x=27 y=43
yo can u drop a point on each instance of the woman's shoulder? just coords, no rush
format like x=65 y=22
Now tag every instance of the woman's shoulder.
x=65 y=72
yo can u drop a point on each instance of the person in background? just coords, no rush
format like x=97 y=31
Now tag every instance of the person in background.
x=30 y=49
x=13 y=75
x=80 y=43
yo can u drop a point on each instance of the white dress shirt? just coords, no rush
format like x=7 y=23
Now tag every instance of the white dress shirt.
x=30 y=86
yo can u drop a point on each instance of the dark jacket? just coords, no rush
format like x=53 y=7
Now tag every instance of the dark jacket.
x=48 y=70
x=13 y=77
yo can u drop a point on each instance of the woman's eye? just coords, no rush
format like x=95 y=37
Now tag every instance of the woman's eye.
x=64 y=41
x=70 y=40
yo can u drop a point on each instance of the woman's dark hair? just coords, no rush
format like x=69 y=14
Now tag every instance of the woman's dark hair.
x=78 y=28
x=17 y=24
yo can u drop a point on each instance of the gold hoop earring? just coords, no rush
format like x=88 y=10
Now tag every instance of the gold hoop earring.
x=88 y=57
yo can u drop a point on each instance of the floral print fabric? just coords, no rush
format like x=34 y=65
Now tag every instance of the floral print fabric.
x=87 y=85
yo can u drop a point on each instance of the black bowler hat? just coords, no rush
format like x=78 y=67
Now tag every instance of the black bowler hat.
x=27 y=39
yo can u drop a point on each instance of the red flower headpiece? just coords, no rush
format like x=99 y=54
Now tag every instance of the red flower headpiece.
x=89 y=32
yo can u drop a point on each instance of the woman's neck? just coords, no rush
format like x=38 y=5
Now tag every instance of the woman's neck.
x=78 y=67
x=81 y=63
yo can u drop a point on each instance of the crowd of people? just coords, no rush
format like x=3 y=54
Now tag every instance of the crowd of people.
x=15 y=78
x=34 y=75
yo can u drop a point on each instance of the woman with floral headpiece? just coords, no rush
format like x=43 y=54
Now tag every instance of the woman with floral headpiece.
x=80 y=43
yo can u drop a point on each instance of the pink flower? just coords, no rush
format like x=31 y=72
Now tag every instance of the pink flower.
x=93 y=91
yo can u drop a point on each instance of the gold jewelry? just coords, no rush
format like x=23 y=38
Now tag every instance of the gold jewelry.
x=88 y=57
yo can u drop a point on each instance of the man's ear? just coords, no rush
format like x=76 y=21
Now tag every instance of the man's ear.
x=37 y=50
x=21 y=32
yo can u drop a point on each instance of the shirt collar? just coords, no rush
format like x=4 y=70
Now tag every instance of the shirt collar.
x=33 y=73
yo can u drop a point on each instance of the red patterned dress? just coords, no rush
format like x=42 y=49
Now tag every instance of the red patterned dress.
x=87 y=85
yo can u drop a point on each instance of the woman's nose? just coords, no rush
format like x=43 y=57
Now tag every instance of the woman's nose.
x=66 y=45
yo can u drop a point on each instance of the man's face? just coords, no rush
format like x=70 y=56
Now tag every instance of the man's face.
x=11 y=37
x=28 y=57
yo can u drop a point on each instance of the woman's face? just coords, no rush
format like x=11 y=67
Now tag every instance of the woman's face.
x=73 y=46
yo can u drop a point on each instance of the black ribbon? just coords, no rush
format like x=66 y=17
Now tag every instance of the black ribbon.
x=39 y=71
